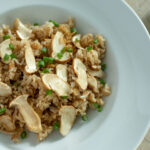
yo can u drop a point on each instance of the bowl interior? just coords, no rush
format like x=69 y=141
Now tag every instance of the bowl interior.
x=81 y=130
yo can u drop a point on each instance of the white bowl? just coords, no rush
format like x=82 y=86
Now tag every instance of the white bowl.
x=125 y=117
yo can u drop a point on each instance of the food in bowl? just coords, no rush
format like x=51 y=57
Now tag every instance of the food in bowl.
x=49 y=75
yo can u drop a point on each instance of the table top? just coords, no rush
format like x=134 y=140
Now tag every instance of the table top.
x=142 y=8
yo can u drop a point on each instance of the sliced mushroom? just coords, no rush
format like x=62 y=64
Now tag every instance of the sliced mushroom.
x=76 y=41
x=99 y=73
x=48 y=27
x=22 y=31
x=85 y=95
x=4 y=49
x=30 y=59
x=93 y=60
x=80 y=70
x=30 y=117
x=61 y=71
x=68 y=115
x=106 y=90
x=7 y=123
x=5 y=90
x=92 y=82
x=58 y=44
x=52 y=81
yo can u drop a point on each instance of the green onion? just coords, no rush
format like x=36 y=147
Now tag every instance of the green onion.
x=41 y=63
x=103 y=67
x=56 y=126
x=6 y=37
x=11 y=46
x=95 y=41
x=6 y=57
x=63 y=50
x=64 y=97
x=55 y=24
x=35 y=24
x=2 y=110
x=69 y=50
x=102 y=81
x=23 y=135
x=49 y=92
x=85 y=117
x=73 y=30
x=13 y=56
x=89 y=48
x=44 y=50
x=59 y=55
x=77 y=40
x=46 y=70
x=98 y=107
x=48 y=59
x=51 y=60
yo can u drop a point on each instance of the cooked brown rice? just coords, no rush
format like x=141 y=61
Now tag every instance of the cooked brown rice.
x=49 y=75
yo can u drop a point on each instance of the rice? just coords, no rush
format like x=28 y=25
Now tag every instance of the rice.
x=24 y=74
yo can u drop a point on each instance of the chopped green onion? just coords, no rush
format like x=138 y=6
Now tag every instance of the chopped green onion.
x=56 y=126
x=73 y=30
x=41 y=63
x=46 y=70
x=48 y=59
x=44 y=50
x=13 y=56
x=98 y=107
x=35 y=24
x=6 y=57
x=103 y=67
x=23 y=135
x=11 y=46
x=2 y=110
x=51 y=60
x=69 y=50
x=102 y=81
x=59 y=55
x=89 y=48
x=95 y=41
x=63 y=50
x=6 y=37
x=77 y=40
x=85 y=117
x=55 y=24
x=49 y=92
x=64 y=97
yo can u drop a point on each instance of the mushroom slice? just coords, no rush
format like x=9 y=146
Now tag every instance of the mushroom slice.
x=92 y=82
x=68 y=115
x=61 y=71
x=106 y=91
x=7 y=123
x=52 y=81
x=5 y=90
x=76 y=41
x=99 y=73
x=93 y=60
x=58 y=44
x=4 y=49
x=80 y=70
x=30 y=59
x=22 y=31
x=30 y=117
x=49 y=27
